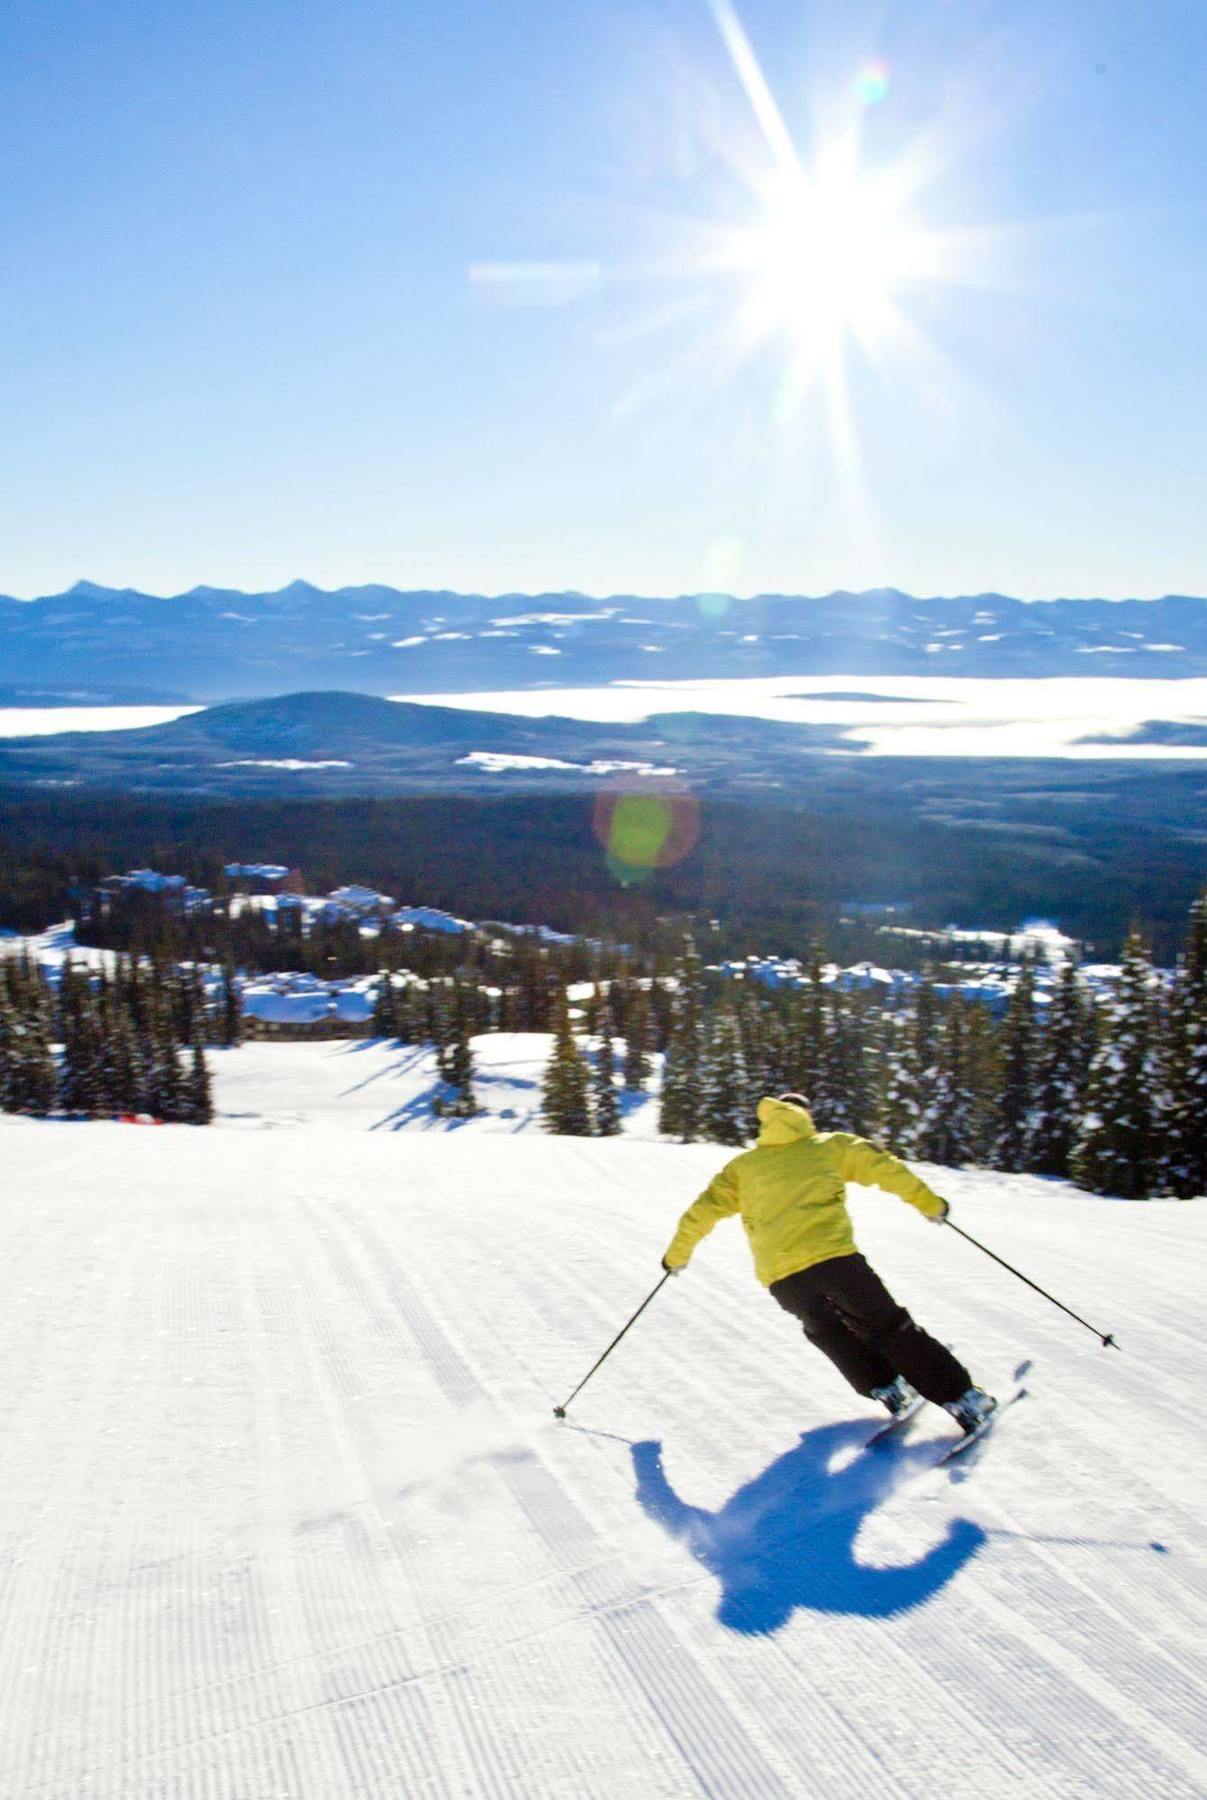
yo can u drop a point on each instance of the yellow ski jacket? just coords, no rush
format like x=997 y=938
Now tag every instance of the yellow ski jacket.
x=791 y=1192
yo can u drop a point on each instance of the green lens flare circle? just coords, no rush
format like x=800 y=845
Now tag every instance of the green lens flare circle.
x=645 y=829
x=640 y=827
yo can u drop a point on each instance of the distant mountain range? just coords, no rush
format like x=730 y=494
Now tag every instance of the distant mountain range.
x=110 y=645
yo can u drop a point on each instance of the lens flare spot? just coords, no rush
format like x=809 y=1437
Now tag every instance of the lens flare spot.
x=646 y=829
x=722 y=567
x=871 y=83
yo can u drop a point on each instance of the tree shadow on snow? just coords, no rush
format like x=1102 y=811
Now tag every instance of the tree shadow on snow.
x=787 y=1539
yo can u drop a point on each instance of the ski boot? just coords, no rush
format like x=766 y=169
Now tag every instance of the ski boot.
x=900 y=1398
x=972 y=1411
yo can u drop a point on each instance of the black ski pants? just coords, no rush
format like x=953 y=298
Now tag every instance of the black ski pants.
x=846 y=1310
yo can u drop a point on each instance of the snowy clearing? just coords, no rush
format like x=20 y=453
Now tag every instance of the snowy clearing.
x=286 y=1513
x=369 y=1084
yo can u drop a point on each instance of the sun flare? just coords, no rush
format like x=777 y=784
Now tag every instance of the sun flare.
x=802 y=276
x=826 y=260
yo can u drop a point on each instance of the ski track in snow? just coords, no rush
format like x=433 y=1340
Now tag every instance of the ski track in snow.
x=286 y=1512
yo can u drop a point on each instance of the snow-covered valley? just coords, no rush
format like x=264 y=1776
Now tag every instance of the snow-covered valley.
x=286 y=1512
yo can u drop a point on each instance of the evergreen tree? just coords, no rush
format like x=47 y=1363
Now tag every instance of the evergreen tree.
x=606 y=1106
x=1181 y=1148
x=806 y=1035
x=638 y=1040
x=1012 y=1145
x=455 y=1055
x=564 y=1094
x=724 y=1114
x=165 y=1077
x=953 y=1134
x=410 y=1013
x=441 y=1010
x=895 y=1112
x=981 y=1063
x=1065 y=1051
x=11 y=1031
x=862 y=1055
x=761 y=1042
x=462 y=1103
x=838 y=1099
x=82 y=1086
x=1114 y=1149
x=231 y=1027
x=680 y=1111
x=384 y=1021
x=197 y=1105
x=908 y=1116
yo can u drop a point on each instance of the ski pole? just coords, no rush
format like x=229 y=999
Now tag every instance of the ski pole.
x=560 y=1411
x=1104 y=1337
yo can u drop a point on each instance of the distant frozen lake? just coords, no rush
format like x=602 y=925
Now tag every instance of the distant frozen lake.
x=44 y=721
x=896 y=715
x=882 y=715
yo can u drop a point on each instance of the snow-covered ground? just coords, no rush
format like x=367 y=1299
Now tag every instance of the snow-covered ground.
x=285 y=1511
x=367 y=1084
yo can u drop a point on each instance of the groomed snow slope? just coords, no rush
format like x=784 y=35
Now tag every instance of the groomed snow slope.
x=285 y=1511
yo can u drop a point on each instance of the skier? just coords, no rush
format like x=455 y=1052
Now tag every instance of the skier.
x=790 y=1190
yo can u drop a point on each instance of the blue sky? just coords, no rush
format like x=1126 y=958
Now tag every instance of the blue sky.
x=427 y=293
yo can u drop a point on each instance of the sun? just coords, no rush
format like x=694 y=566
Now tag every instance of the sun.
x=804 y=271
x=826 y=260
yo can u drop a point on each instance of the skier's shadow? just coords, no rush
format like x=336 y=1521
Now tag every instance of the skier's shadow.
x=787 y=1539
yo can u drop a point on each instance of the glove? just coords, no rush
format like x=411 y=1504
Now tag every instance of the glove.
x=677 y=1270
x=939 y=1218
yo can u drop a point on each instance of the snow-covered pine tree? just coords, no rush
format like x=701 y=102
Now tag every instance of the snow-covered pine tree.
x=1066 y=1049
x=861 y=1023
x=981 y=1063
x=197 y=1103
x=1180 y=1152
x=28 y=1076
x=953 y=1133
x=565 y=1103
x=111 y=1018
x=81 y=1088
x=410 y=1013
x=605 y=1102
x=725 y=1116
x=922 y=1067
x=231 y=1017
x=679 y=1115
x=1113 y=1152
x=839 y=1073
x=1012 y=1143
x=462 y=1102
x=384 y=1021
x=127 y=1069
x=806 y=1033
x=13 y=1033
x=638 y=1040
x=441 y=1006
x=895 y=1111
x=165 y=1078
x=457 y=1059
x=761 y=1043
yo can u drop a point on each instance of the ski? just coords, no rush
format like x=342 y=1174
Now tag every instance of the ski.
x=966 y=1443
x=896 y=1423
